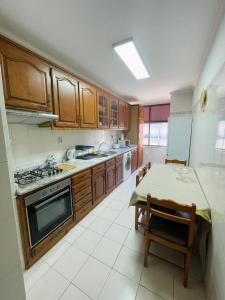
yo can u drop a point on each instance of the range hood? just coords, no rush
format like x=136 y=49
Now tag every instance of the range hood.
x=25 y=117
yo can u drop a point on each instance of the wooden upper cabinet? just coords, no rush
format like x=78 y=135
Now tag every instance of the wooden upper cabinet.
x=27 y=82
x=88 y=105
x=103 y=109
x=65 y=99
x=121 y=114
x=127 y=116
x=114 y=113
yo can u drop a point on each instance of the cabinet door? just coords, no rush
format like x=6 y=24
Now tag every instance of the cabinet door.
x=114 y=113
x=110 y=179
x=126 y=117
x=119 y=173
x=133 y=160
x=99 y=186
x=103 y=109
x=27 y=82
x=88 y=105
x=65 y=99
x=121 y=114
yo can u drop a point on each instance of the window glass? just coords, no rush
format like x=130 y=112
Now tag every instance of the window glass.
x=155 y=134
x=220 y=141
x=146 y=134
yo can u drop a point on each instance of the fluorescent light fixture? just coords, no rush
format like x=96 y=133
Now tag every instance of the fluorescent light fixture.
x=130 y=56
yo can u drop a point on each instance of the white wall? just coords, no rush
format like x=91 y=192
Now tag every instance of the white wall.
x=210 y=162
x=31 y=145
x=154 y=154
x=11 y=278
x=181 y=101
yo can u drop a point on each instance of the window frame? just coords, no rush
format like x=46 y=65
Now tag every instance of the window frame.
x=149 y=124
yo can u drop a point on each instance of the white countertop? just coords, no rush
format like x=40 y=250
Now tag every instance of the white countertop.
x=79 y=165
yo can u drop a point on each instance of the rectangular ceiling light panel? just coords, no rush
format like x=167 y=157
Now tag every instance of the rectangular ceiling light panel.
x=130 y=56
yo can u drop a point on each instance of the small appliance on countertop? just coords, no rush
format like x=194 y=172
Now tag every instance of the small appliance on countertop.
x=124 y=143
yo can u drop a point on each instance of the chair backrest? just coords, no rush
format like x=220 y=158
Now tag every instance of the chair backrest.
x=176 y=161
x=148 y=165
x=140 y=175
x=169 y=208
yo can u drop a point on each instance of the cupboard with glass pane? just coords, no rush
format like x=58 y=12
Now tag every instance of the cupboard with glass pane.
x=103 y=109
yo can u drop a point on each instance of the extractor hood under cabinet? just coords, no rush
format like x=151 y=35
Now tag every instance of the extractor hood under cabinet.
x=25 y=117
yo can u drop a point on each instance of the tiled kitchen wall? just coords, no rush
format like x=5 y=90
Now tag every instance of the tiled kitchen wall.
x=31 y=145
x=11 y=279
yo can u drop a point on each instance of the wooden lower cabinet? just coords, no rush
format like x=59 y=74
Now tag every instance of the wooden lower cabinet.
x=88 y=188
x=82 y=194
x=110 y=175
x=119 y=169
x=98 y=183
x=134 y=160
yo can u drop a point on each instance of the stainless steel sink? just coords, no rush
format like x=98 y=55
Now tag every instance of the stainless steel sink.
x=111 y=152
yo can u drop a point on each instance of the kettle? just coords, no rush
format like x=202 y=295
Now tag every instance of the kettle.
x=70 y=154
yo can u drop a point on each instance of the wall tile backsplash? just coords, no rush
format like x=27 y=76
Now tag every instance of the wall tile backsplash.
x=31 y=145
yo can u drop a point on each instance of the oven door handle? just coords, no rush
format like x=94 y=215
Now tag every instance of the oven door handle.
x=51 y=199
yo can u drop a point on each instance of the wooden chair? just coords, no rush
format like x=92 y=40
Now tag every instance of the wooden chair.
x=172 y=225
x=176 y=161
x=147 y=167
x=140 y=206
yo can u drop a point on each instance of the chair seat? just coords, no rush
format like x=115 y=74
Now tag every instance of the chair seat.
x=171 y=231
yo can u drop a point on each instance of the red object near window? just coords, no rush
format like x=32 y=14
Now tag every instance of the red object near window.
x=156 y=113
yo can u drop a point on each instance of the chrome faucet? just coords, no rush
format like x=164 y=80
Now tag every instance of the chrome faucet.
x=100 y=145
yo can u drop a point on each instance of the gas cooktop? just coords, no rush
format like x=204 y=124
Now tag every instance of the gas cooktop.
x=35 y=174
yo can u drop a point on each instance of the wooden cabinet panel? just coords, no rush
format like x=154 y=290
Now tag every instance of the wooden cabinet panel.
x=103 y=109
x=119 y=172
x=65 y=99
x=134 y=157
x=110 y=175
x=114 y=113
x=81 y=176
x=88 y=105
x=27 y=82
x=98 y=168
x=121 y=114
x=81 y=213
x=98 y=184
x=127 y=116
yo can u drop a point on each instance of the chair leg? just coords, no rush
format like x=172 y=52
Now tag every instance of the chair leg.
x=187 y=267
x=147 y=242
x=136 y=217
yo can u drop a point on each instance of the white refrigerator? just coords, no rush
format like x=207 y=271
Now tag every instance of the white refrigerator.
x=179 y=137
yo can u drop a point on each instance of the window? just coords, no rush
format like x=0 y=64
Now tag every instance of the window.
x=156 y=124
x=220 y=141
x=155 y=134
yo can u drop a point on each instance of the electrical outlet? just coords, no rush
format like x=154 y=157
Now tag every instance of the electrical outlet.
x=60 y=140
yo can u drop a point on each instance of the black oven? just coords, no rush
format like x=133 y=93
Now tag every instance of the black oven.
x=48 y=209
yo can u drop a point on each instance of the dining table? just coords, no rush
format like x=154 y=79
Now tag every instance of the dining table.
x=180 y=184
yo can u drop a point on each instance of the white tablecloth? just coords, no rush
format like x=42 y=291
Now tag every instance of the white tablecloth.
x=174 y=182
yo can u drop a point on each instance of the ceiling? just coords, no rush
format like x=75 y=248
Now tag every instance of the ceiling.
x=173 y=37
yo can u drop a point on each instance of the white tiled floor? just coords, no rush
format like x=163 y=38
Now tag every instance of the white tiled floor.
x=102 y=258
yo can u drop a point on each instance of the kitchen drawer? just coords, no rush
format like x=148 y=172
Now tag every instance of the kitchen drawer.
x=110 y=163
x=78 y=196
x=119 y=158
x=83 y=211
x=98 y=168
x=81 y=185
x=79 y=204
x=81 y=176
